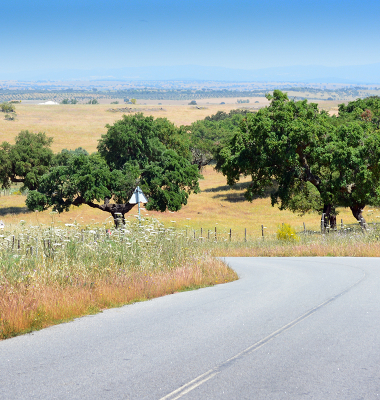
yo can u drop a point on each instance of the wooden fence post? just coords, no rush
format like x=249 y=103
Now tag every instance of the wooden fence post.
x=322 y=222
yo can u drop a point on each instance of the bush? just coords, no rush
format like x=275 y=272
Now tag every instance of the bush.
x=10 y=117
x=7 y=107
x=286 y=232
x=192 y=103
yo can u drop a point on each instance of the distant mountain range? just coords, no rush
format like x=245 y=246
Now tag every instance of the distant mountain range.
x=352 y=74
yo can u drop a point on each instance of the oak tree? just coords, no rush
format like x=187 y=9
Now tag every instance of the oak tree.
x=310 y=161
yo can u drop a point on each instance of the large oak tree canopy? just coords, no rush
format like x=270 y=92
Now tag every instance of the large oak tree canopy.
x=311 y=161
x=135 y=150
x=26 y=160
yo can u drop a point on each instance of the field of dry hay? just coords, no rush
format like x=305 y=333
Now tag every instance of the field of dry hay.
x=81 y=125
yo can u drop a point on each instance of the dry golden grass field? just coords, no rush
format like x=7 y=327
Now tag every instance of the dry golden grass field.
x=77 y=125
x=217 y=205
x=82 y=125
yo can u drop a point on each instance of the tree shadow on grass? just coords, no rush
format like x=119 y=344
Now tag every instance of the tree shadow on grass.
x=14 y=210
x=238 y=197
x=224 y=188
x=231 y=197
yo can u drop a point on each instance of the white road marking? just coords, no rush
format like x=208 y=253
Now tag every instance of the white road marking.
x=188 y=387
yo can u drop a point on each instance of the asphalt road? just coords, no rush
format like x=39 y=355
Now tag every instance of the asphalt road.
x=290 y=328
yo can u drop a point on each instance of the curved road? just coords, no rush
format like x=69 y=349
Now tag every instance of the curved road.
x=290 y=328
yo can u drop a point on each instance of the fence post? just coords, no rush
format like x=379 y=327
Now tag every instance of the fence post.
x=230 y=234
x=216 y=238
x=245 y=234
x=262 y=231
x=304 y=228
x=201 y=234
x=341 y=224
x=208 y=234
x=323 y=222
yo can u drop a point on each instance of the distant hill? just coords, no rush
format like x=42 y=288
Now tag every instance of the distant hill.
x=353 y=74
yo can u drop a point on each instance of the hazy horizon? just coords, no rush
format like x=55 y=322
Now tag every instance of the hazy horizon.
x=294 y=39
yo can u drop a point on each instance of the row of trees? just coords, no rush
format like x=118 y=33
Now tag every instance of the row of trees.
x=310 y=160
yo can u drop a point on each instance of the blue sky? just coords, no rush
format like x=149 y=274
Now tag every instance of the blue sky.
x=84 y=34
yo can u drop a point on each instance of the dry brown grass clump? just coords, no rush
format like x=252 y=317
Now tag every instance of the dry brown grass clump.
x=317 y=249
x=25 y=307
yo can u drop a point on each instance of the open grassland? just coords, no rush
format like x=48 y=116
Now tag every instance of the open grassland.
x=81 y=125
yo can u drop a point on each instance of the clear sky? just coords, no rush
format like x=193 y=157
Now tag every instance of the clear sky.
x=84 y=34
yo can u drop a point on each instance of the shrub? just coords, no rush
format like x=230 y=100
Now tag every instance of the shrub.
x=286 y=232
x=7 y=107
x=10 y=117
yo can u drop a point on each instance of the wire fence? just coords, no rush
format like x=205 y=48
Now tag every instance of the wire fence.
x=248 y=234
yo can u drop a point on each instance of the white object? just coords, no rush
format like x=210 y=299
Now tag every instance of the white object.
x=138 y=197
x=48 y=103
x=2 y=225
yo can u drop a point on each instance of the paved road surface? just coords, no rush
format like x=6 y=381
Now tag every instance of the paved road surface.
x=290 y=328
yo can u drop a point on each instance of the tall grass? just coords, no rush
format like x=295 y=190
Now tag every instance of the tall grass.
x=50 y=274
x=348 y=242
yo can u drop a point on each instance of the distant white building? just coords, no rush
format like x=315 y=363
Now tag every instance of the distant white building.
x=48 y=103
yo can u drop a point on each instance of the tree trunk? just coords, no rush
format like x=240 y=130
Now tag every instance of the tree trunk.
x=328 y=220
x=114 y=209
x=357 y=210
